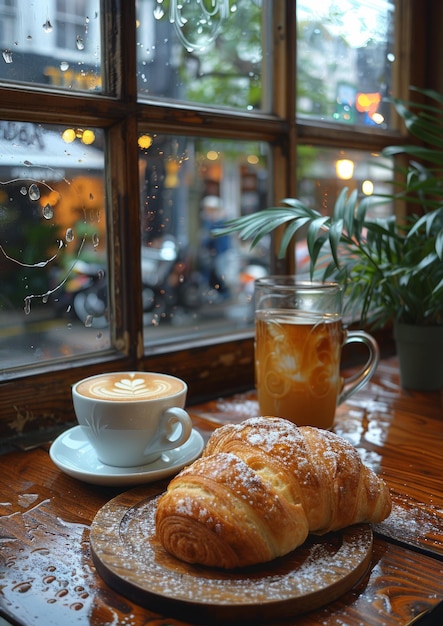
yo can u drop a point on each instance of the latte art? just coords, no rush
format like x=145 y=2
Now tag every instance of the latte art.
x=127 y=387
x=130 y=388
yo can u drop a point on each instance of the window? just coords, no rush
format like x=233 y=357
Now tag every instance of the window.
x=53 y=242
x=186 y=51
x=127 y=130
x=51 y=43
x=345 y=58
x=195 y=284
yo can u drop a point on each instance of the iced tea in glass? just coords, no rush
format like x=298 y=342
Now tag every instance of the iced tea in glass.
x=298 y=345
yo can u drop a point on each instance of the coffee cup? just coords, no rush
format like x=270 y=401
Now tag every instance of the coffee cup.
x=299 y=337
x=131 y=418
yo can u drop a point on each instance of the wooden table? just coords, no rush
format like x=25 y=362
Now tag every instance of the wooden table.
x=48 y=577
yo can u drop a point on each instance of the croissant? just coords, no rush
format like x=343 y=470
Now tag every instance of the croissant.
x=260 y=488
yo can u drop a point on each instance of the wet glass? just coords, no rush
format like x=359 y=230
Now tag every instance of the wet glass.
x=323 y=173
x=196 y=285
x=208 y=52
x=56 y=44
x=345 y=58
x=53 y=255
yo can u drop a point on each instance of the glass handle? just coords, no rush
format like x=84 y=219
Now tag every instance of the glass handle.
x=353 y=383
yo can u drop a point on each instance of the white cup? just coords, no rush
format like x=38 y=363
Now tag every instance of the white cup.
x=131 y=418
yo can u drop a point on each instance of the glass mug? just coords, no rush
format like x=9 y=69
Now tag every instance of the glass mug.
x=298 y=345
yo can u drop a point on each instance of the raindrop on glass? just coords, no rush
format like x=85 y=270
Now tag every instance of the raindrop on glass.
x=23 y=191
x=64 y=65
x=7 y=56
x=70 y=236
x=95 y=240
x=88 y=321
x=158 y=12
x=34 y=192
x=22 y=587
x=27 y=307
x=48 y=212
x=47 y=27
x=79 y=43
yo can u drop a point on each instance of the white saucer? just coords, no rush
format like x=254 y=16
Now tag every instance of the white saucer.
x=74 y=455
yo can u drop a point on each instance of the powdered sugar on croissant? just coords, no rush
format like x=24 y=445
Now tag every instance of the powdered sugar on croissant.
x=258 y=490
x=220 y=512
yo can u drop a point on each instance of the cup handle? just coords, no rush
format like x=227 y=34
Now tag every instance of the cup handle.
x=169 y=420
x=355 y=382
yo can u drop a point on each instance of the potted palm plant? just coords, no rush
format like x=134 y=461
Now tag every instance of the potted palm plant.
x=391 y=269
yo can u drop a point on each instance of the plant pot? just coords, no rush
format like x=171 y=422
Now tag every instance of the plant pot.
x=420 y=356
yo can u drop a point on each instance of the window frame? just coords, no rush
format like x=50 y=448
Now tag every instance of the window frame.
x=36 y=399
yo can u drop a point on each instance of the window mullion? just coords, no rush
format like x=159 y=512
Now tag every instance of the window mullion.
x=119 y=61
x=284 y=153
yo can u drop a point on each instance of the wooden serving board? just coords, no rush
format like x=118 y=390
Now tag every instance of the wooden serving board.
x=129 y=557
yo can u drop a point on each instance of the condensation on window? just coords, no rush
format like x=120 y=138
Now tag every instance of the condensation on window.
x=195 y=284
x=206 y=52
x=53 y=259
x=51 y=42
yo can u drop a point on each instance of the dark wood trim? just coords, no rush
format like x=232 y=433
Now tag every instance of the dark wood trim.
x=189 y=119
x=433 y=44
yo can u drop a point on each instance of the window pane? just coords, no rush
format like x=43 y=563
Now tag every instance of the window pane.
x=210 y=52
x=195 y=285
x=324 y=172
x=54 y=43
x=53 y=262
x=345 y=57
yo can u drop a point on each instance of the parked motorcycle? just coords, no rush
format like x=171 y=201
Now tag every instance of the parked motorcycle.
x=84 y=293
x=170 y=288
